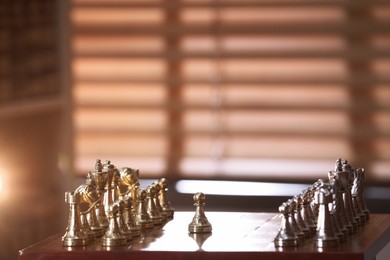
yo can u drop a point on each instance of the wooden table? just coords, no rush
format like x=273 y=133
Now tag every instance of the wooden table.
x=236 y=235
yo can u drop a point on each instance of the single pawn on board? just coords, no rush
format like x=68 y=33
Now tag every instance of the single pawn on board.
x=199 y=223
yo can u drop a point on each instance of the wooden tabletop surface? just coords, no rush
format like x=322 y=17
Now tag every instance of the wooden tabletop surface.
x=236 y=235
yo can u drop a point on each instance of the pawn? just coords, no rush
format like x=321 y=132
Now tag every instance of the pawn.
x=325 y=235
x=199 y=223
x=159 y=209
x=93 y=222
x=91 y=235
x=142 y=217
x=121 y=221
x=294 y=224
x=164 y=199
x=154 y=215
x=113 y=236
x=129 y=218
x=305 y=212
x=298 y=203
x=286 y=236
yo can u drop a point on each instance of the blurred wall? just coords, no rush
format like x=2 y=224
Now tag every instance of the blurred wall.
x=31 y=124
x=31 y=199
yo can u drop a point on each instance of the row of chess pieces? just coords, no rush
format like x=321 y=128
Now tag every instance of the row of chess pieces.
x=118 y=209
x=328 y=212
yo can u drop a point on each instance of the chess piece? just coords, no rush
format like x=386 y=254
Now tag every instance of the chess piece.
x=346 y=176
x=129 y=217
x=75 y=234
x=151 y=206
x=310 y=203
x=297 y=209
x=142 y=217
x=156 y=200
x=286 y=236
x=294 y=225
x=164 y=199
x=337 y=210
x=338 y=201
x=109 y=191
x=91 y=196
x=199 y=223
x=306 y=210
x=126 y=232
x=325 y=236
x=100 y=178
x=130 y=179
x=314 y=205
x=357 y=195
x=91 y=235
x=94 y=223
x=113 y=236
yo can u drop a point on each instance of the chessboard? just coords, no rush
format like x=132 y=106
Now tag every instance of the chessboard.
x=235 y=235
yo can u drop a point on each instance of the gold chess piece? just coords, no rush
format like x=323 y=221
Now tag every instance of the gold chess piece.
x=108 y=198
x=121 y=221
x=199 y=223
x=154 y=215
x=129 y=217
x=130 y=179
x=164 y=199
x=113 y=235
x=75 y=234
x=156 y=200
x=142 y=217
x=90 y=196
x=100 y=178
x=91 y=235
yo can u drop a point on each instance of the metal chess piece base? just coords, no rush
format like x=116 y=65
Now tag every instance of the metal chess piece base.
x=322 y=243
x=74 y=241
x=200 y=228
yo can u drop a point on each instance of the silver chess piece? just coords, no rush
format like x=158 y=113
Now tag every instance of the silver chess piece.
x=338 y=200
x=357 y=195
x=286 y=236
x=347 y=174
x=199 y=223
x=325 y=236
x=297 y=209
x=337 y=210
x=305 y=212
x=294 y=224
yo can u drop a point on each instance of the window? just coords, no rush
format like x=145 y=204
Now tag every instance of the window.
x=237 y=89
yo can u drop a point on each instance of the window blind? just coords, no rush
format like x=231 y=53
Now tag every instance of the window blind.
x=249 y=89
